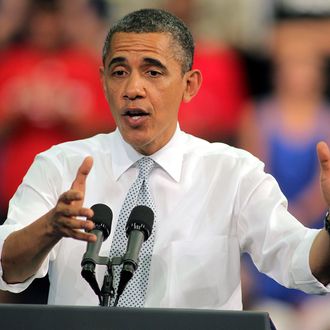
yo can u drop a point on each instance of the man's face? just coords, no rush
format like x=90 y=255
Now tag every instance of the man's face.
x=144 y=86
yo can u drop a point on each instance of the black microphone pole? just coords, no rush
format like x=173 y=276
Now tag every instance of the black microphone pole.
x=107 y=291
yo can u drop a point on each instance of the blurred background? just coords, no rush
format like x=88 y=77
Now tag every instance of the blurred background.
x=266 y=89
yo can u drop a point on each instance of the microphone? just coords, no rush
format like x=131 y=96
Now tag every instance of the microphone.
x=138 y=230
x=102 y=219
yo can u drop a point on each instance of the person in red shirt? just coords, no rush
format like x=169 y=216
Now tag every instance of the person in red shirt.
x=50 y=92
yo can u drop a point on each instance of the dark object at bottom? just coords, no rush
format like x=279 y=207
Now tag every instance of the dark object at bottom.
x=40 y=317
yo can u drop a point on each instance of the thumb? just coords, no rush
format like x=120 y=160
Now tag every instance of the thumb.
x=323 y=154
x=79 y=183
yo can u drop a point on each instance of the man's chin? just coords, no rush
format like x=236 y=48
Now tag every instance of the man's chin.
x=140 y=141
x=145 y=141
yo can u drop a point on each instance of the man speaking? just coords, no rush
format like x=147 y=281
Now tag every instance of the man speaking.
x=210 y=202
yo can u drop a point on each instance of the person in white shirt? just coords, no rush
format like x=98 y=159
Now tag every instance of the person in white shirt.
x=213 y=201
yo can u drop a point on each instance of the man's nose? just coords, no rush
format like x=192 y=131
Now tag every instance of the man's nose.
x=134 y=87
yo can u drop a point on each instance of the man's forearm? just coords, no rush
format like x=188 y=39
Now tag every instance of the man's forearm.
x=24 y=251
x=319 y=258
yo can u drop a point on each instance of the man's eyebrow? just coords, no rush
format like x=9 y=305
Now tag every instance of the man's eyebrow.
x=116 y=60
x=146 y=60
x=154 y=62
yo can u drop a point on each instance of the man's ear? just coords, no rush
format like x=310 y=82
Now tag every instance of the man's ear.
x=193 y=83
x=102 y=78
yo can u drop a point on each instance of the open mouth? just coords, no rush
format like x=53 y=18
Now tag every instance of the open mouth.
x=135 y=114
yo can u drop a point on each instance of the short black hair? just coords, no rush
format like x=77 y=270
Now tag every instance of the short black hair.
x=156 y=20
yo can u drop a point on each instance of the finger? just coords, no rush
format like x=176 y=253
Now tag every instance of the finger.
x=70 y=196
x=79 y=182
x=82 y=236
x=79 y=235
x=64 y=223
x=323 y=154
x=74 y=211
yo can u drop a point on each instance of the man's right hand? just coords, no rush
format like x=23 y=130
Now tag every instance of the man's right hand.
x=62 y=219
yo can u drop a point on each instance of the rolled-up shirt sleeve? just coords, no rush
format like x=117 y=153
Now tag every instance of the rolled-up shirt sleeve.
x=35 y=196
x=278 y=243
x=19 y=287
x=301 y=274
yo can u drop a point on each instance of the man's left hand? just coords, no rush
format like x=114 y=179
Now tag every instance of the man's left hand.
x=323 y=153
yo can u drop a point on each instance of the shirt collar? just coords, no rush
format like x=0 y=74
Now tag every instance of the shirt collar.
x=169 y=157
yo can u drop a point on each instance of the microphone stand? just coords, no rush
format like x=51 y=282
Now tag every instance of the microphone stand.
x=88 y=273
x=107 y=291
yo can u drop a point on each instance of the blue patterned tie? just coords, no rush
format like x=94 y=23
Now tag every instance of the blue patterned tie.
x=138 y=194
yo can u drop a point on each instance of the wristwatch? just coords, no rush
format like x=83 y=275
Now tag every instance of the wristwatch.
x=327 y=222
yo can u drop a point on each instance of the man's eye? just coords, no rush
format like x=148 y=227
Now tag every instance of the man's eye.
x=118 y=73
x=153 y=73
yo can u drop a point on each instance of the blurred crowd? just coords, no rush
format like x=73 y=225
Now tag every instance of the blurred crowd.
x=266 y=75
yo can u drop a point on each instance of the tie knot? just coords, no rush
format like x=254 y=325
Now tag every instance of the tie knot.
x=145 y=165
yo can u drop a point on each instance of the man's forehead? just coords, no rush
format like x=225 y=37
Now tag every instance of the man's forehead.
x=152 y=44
x=152 y=40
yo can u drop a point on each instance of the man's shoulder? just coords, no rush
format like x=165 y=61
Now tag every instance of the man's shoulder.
x=216 y=150
x=99 y=143
x=71 y=154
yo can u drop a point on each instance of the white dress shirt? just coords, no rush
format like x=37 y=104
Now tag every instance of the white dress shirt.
x=213 y=203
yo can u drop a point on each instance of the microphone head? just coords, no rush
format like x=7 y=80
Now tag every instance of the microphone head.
x=141 y=218
x=102 y=219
